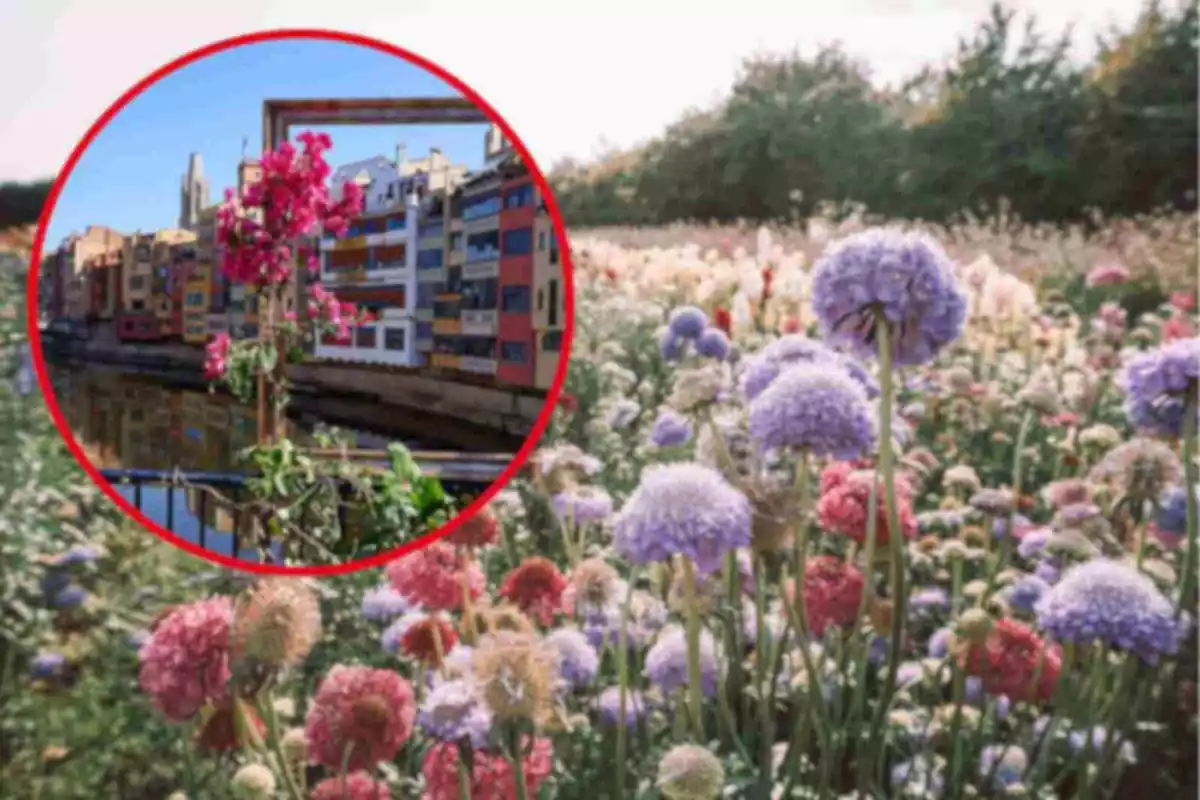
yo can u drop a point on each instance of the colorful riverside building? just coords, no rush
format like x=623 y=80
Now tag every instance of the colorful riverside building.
x=500 y=313
x=147 y=307
x=389 y=252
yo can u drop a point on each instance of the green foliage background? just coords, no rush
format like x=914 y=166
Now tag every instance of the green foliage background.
x=1011 y=122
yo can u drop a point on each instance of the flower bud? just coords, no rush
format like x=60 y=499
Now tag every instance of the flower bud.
x=690 y=772
x=974 y=625
x=253 y=782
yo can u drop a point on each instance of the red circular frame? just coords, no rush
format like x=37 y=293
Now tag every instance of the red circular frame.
x=568 y=301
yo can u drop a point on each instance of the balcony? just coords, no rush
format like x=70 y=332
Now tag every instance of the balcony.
x=444 y=361
x=480 y=366
x=447 y=327
x=479 y=323
x=481 y=224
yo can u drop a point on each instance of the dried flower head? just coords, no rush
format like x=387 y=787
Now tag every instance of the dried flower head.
x=690 y=772
x=514 y=673
x=278 y=623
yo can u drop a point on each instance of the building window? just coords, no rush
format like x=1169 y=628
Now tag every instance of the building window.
x=393 y=339
x=513 y=352
x=553 y=249
x=518 y=242
x=446 y=309
x=541 y=241
x=395 y=223
x=456 y=241
x=250 y=330
x=479 y=348
x=552 y=341
x=483 y=246
x=365 y=337
x=552 y=287
x=429 y=259
x=432 y=229
x=519 y=197
x=515 y=299
x=479 y=295
x=425 y=293
x=138 y=305
x=138 y=282
x=479 y=207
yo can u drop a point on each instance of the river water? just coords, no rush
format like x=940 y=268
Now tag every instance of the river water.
x=145 y=421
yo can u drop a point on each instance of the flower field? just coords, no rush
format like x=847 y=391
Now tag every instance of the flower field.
x=837 y=512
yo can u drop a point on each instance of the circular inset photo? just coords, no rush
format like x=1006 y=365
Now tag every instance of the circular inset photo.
x=303 y=302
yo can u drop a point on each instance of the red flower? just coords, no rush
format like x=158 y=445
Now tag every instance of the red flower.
x=477 y=531
x=536 y=587
x=1013 y=661
x=721 y=318
x=491 y=775
x=832 y=591
x=845 y=506
x=222 y=731
x=1184 y=301
x=1177 y=327
x=567 y=402
x=428 y=641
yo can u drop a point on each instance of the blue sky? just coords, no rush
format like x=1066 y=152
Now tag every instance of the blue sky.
x=129 y=178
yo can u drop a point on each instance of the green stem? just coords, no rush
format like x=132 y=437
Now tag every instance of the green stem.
x=464 y=781
x=693 y=647
x=623 y=678
x=895 y=535
x=518 y=764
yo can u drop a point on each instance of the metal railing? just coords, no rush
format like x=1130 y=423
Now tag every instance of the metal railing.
x=461 y=475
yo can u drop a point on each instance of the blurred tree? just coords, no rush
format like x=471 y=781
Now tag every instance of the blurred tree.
x=21 y=203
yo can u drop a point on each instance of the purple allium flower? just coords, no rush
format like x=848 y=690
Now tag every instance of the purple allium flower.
x=583 y=506
x=578 y=662
x=939 y=642
x=1112 y=602
x=1033 y=542
x=670 y=429
x=1048 y=569
x=1172 y=511
x=453 y=711
x=905 y=277
x=919 y=776
x=859 y=373
x=78 y=554
x=670 y=346
x=927 y=601
x=1000 y=526
x=1025 y=593
x=1079 y=741
x=682 y=509
x=816 y=408
x=46 y=665
x=383 y=604
x=1158 y=385
x=71 y=597
x=766 y=365
x=666 y=661
x=687 y=322
x=1006 y=764
x=609 y=706
x=973 y=689
x=713 y=343
x=53 y=582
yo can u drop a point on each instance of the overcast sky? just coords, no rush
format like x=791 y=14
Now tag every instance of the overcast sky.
x=566 y=74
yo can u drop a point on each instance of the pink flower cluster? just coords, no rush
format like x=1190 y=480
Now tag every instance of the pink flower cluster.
x=845 y=501
x=491 y=775
x=185 y=662
x=215 y=354
x=432 y=577
x=323 y=306
x=1107 y=275
x=355 y=786
x=288 y=202
x=832 y=592
x=368 y=712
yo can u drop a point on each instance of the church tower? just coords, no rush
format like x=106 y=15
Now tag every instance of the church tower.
x=193 y=194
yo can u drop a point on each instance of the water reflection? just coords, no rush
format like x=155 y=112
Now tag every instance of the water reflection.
x=123 y=420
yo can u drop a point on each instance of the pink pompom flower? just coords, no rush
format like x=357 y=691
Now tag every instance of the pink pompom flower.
x=185 y=662
x=365 y=712
x=433 y=576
